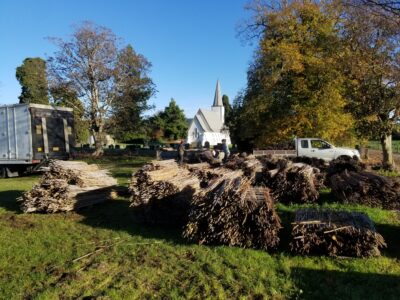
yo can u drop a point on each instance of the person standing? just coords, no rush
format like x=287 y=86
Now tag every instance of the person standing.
x=225 y=149
x=181 y=153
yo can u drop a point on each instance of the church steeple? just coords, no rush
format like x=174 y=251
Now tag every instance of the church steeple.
x=218 y=97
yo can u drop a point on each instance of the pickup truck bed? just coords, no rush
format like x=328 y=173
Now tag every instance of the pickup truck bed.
x=279 y=153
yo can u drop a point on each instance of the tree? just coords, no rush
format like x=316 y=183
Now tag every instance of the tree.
x=294 y=85
x=32 y=77
x=383 y=8
x=63 y=95
x=134 y=89
x=89 y=63
x=171 y=122
x=373 y=67
x=227 y=105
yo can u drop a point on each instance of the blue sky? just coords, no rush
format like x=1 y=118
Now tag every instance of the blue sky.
x=190 y=43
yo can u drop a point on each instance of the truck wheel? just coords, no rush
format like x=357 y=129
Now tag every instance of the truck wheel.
x=344 y=157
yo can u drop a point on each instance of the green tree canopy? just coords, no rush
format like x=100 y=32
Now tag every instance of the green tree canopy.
x=132 y=95
x=227 y=105
x=171 y=122
x=32 y=77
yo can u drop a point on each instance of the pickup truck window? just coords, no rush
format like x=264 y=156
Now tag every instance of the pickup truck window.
x=304 y=144
x=318 y=144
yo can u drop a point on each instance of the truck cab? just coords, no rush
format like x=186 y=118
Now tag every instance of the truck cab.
x=318 y=148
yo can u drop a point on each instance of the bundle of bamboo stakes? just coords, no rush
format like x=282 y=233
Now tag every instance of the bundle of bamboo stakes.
x=335 y=233
x=233 y=212
x=68 y=185
x=293 y=182
x=366 y=188
x=238 y=213
x=161 y=192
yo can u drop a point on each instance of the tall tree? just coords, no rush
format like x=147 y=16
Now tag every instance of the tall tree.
x=171 y=122
x=89 y=63
x=227 y=105
x=134 y=89
x=372 y=63
x=63 y=95
x=32 y=77
x=294 y=85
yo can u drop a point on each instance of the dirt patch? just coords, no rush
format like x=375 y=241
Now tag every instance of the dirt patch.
x=18 y=222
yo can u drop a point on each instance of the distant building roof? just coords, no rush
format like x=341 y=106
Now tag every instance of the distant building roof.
x=209 y=120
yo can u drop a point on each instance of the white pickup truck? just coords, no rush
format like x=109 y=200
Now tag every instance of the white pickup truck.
x=312 y=147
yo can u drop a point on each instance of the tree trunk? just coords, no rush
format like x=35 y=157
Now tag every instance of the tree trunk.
x=98 y=142
x=387 y=153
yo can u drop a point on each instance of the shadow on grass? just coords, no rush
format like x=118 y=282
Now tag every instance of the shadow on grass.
x=117 y=215
x=287 y=218
x=392 y=238
x=323 y=284
x=8 y=200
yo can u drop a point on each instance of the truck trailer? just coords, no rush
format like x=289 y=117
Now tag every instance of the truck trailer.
x=30 y=134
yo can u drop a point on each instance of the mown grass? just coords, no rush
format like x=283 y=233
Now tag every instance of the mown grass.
x=43 y=257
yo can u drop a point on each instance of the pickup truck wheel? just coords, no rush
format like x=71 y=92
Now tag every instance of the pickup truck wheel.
x=344 y=157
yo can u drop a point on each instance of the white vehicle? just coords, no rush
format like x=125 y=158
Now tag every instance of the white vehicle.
x=312 y=147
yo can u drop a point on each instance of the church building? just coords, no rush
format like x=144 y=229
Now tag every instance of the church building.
x=208 y=125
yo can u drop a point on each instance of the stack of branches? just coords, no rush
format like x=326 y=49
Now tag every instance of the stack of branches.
x=233 y=212
x=251 y=166
x=335 y=233
x=312 y=161
x=161 y=192
x=68 y=185
x=205 y=174
x=292 y=182
x=366 y=188
x=345 y=163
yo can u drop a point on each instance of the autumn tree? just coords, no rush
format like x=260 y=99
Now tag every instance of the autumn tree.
x=32 y=77
x=294 y=84
x=372 y=66
x=89 y=64
x=134 y=88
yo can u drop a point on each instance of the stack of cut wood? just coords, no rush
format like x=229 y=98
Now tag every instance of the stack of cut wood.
x=312 y=161
x=68 y=185
x=345 y=163
x=366 y=188
x=293 y=182
x=251 y=166
x=162 y=191
x=233 y=212
x=335 y=233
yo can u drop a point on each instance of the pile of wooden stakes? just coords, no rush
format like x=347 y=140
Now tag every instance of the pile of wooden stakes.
x=335 y=233
x=68 y=185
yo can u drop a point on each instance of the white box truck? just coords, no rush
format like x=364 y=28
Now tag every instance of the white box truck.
x=312 y=147
x=32 y=133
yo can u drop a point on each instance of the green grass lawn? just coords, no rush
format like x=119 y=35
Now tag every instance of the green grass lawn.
x=46 y=257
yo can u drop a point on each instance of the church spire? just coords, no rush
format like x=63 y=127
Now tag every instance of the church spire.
x=218 y=97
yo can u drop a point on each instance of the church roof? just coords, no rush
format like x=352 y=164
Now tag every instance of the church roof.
x=209 y=120
x=218 y=97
